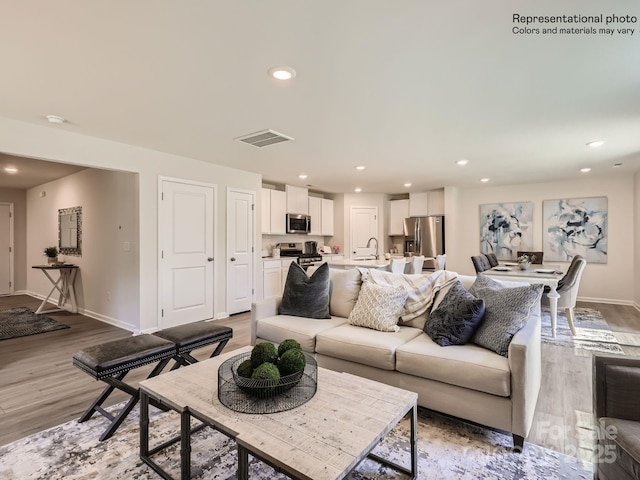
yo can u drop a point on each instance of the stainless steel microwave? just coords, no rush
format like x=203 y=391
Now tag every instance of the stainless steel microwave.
x=298 y=223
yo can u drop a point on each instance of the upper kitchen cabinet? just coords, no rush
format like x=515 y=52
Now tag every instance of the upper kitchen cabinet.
x=327 y=217
x=297 y=200
x=422 y=204
x=274 y=204
x=321 y=213
x=398 y=211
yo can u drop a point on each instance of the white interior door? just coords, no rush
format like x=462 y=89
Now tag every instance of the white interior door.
x=6 y=247
x=186 y=252
x=240 y=250
x=363 y=226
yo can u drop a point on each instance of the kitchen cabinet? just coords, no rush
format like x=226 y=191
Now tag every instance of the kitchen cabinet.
x=297 y=200
x=274 y=213
x=284 y=272
x=398 y=211
x=419 y=204
x=436 y=202
x=327 y=217
x=271 y=278
x=315 y=212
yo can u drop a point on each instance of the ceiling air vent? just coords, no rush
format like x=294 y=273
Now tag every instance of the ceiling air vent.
x=263 y=138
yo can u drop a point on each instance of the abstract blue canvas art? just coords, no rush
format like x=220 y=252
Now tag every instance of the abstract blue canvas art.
x=575 y=226
x=506 y=228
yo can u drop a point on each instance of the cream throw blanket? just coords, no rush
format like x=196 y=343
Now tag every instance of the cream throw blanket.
x=422 y=288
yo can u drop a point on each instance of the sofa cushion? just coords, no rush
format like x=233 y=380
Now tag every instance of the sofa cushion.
x=620 y=441
x=344 y=289
x=378 y=307
x=363 y=345
x=304 y=330
x=467 y=366
x=456 y=319
x=507 y=310
x=306 y=296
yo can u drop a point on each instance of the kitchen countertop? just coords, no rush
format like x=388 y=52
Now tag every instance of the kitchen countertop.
x=350 y=262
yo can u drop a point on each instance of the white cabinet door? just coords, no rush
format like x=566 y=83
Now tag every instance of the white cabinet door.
x=436 y=202
x=398 y=211
x=419 y=204
x=271 y=278
x=278 y=212
x=297 y=200
x=327 y=217
x=285 y=272
x=265 y=212
x=315 y=212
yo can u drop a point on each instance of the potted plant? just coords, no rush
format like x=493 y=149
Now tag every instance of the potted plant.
x=524 y=261
x=52 y=254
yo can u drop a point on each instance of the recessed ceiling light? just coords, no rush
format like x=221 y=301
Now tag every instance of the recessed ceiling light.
x=55 y=119
x=11 y=169
x=360 y=167
x=407 y=185
x=357 y=190
x=595 y=143
x=484 y=180
x=464 y=161
x=585 y=170
x=617 y=165
x=282 y=73
x=302 y=176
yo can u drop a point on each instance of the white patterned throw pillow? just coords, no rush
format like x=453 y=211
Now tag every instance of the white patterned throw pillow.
x=378 y=307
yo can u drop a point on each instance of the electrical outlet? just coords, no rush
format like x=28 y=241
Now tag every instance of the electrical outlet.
x=127 y=246
x=108 y=296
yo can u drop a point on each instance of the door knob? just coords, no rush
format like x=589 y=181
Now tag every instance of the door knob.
x=210 y=259
x=233 y=259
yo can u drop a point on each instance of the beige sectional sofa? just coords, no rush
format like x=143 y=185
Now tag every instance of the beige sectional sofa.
x=466 y=381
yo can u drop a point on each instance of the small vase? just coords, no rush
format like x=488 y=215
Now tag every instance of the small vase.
x=524 y=266
x=52 y=259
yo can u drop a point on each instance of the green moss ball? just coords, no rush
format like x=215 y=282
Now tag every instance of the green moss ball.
x=288 y=344
x=245 y=369
x=292 y=361
x=263 y=352
x=266 y=371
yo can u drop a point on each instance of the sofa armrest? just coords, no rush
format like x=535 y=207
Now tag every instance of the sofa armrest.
x=525 y=362
x=616 y=387
x=263 y=309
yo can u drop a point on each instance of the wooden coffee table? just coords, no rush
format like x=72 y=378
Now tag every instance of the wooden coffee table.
x=323 y=439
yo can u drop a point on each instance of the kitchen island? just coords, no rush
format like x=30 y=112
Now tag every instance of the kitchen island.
x=380 y=264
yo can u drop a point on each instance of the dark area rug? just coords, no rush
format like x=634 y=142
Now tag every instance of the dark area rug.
x=592 y=332
x=20 y=322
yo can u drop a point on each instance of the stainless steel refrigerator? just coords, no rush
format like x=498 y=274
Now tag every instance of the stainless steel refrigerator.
x=424 y=236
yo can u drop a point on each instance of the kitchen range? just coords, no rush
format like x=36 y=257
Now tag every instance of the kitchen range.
x=306 y=253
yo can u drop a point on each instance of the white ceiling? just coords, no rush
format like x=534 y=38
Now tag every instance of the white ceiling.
x=32 y=172
x=404 y=87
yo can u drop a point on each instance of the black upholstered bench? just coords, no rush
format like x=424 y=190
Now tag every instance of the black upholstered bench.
x=111 y=361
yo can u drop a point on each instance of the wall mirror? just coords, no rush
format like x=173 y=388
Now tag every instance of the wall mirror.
x=70 y=231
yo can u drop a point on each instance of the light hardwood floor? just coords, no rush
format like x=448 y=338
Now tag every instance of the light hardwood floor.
x=40 y=388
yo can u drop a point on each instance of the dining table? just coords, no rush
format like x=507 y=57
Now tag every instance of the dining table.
x=545 y=274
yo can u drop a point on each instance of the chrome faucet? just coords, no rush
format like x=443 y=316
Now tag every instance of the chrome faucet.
x=369 y=245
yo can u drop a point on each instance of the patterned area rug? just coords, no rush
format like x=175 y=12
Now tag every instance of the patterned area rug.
x=447 y=449
x=592 y=332
x=20 y=322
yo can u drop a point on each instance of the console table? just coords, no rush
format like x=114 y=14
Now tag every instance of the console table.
x=64 y=285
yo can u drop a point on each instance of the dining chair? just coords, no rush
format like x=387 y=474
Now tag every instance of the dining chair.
x=480 y=263
x=416 y=264
x=537 y=256
x=493 y=260
x=397 y=265
x=568 y=289
x=441 y=262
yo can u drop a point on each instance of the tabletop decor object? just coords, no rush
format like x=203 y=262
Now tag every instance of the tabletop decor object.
x=52 y=254
x=525 y=261
x=267 y=380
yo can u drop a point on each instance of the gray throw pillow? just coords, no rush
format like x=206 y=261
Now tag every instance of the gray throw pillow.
x=304 y=296
x=456 y=318
x=507 y=309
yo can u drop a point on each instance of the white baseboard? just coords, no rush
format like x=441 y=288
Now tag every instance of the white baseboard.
x=221 y=315
x=606 y=300
x=97 y=316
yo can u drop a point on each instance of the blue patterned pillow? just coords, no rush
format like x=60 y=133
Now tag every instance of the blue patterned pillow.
x=507 y=310
x=304 y=296
x=456 y=318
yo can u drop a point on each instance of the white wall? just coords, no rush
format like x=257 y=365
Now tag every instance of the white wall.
x=611 y=282
x=58 y=144
x=636 y=237
x=108 y=281
x=19 y=200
